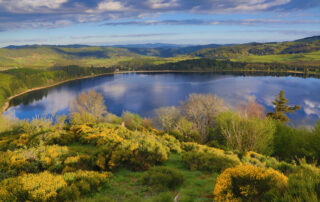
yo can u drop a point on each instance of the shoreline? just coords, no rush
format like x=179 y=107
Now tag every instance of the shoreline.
x=6 y=105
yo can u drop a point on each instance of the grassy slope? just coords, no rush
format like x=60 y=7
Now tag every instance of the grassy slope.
x=302 y=52
x=125 y=185
x=304 y=58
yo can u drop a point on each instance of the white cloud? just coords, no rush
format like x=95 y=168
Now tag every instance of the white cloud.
x=25 y=6
x=111 y=6
x=115 y=90
x=312 y=108
x=255 y=5
x=162 y=4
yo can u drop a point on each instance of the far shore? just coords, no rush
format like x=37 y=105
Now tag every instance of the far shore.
x=7 y=103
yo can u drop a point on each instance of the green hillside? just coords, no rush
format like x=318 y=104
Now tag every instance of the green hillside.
x=304 y=51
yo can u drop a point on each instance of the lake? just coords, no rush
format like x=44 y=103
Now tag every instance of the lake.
x=143 y=93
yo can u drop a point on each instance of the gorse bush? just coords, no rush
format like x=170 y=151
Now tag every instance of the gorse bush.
x=118 y=146
x=33 y=187
x=163 y=178
x=249 y=183
x=48 y=187
x=33 y=160
x=200 y=157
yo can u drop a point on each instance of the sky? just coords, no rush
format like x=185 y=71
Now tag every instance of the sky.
x=118 y=22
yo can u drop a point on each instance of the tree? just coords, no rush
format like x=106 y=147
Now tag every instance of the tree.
x=202 y=109
x=91 y=103
x=281 y=108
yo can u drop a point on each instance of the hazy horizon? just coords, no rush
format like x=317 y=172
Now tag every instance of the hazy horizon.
x=120 y=22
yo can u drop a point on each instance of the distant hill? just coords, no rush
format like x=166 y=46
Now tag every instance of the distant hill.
x=303 y=51
x=309 y=39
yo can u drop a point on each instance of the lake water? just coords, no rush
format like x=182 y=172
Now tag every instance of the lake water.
x=143 y=93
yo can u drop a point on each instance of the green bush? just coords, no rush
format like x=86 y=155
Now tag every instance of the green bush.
x=132 y=121
x=292 y=144
x=200 y=157
x=244 y=133
x=303 y=186
x=163 y=178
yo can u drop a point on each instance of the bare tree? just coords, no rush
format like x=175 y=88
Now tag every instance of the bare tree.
x=91 y=102
x=202 y=110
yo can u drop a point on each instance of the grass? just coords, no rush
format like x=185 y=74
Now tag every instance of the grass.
x=125 y=185
x=313 y=57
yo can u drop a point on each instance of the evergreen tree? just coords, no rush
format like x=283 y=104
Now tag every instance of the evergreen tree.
x=281 y=108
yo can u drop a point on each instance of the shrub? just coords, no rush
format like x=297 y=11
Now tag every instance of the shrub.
x=292 y=144
x=200 y=157
x=246 y=133
x=172 y=143
x=86 y=181
x=32 y=160
x=249 y=183
x=184 y=131
x=163 y=178
x=267 y=162
x=118 y=146
x=34 y=187
x=303 y=186
x=138 y=153
x=132 y=121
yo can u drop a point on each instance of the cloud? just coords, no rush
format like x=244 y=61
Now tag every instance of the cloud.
x=19 y=14
x=312 y=108
x=27 y=6
x=111 y=6
x=162 y=4
x=250 y=22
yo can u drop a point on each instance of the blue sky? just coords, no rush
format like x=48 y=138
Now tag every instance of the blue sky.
x=110 y=22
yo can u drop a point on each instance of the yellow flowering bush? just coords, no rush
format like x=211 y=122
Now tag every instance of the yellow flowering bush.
x=249 y=183
x=118 y=146
x=200 y=157
x=33 y=187
x=32 y=160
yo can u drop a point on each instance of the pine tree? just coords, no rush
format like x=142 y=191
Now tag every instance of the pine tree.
x=281 y=108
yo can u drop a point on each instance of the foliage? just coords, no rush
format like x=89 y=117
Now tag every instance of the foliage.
x=33 y=160
x=281 y=108
x=249 y=183
x=200 y=157
x=90 y=103
x=33 y=187
x=167 y=117
x=293 y=144
x=202 y=110
x=118 y=146
x=132 y=121
x=185 y=131
x=304 y=184
x=246 y=133
x=163 y=178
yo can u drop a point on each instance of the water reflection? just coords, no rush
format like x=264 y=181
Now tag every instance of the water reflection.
x=142 y=93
